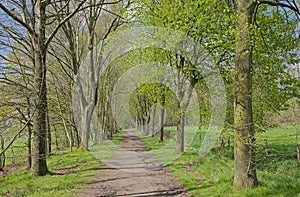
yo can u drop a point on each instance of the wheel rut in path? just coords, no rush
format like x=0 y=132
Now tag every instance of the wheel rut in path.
x=133 y=171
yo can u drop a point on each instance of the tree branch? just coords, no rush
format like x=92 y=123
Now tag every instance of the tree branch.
x=62 y=23
x=294 y=7
x=9 y=13
x=16 y=136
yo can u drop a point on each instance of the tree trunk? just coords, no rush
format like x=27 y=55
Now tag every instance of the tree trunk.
x=298 y=151
x=182 y=107
x=153 y=121
x=49 y=148
x=29 y=132
x=162 y=117
x=148 y=124
x=86 y=127
x=39 y=165
x=244 y=143
x=2 y=156
x=88 y=109
x=180 y=134
x=56 y=138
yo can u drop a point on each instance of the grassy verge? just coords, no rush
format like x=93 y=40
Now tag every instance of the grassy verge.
x=108 y=148
x=212 y=175
x=118 y=138
x=79 y=166
x=153 y=143
x=69 y=172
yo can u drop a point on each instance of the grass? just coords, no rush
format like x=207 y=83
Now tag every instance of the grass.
x=212 y=175
x=108 y=148
x=117 y=138
x=17 y=153
x=20 y=183
x=69 y=173
x=153 y=143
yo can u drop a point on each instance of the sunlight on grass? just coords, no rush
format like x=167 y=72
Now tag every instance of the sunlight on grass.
x=69 y=173
x=20 y=183
x=212 y=175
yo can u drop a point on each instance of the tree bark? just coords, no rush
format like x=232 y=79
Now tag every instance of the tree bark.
x=244 y=143
x=2 y=156
x=49 y=147
x=162 y=118
x=153 y=121
x=39 y=165
x=180 y=133
x=298 y=151
x=86 y=125
x=29 y=132
x=90 y=103
x=181 y=107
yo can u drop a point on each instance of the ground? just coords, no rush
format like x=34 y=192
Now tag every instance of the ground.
x=133 y=171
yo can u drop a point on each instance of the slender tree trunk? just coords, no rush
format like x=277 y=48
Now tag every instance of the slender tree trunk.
x=56 y=138
x=298 y=151
x=77 y=137
x=2 y=156
x=68 y=134
x=29 y=132
x=49 y=148
x=153 y=121
x=181 y=107
x=244 y=146
x=148 y=124
x=162 y=117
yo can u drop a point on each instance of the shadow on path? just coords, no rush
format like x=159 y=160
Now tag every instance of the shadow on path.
x=133 y=171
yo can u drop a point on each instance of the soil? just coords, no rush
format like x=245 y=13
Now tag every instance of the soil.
x=9 y=170
x=133 y=171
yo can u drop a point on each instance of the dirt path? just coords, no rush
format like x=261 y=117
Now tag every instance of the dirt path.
x=133 y=171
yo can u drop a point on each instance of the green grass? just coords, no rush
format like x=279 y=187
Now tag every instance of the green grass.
x=79 y=168
x=153 y=143
x=212 y=175
x=108 y=148
x=17 y=153
x=117 y=138
x=20 y=183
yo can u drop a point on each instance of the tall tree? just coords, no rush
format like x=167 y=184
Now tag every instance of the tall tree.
x=32 y=16
x=88 y=89
x=244 y=151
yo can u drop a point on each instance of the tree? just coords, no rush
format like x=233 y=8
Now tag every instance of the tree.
x=244 y=151
x=143 y=107
x=88 y=89
x=16 y=88
x=259 y=40
x=33 y=20
x=194 y=18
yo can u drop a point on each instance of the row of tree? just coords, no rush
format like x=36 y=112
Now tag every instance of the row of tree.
x=48 y=46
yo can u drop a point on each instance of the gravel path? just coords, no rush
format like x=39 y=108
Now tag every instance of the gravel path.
x=133 y=171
